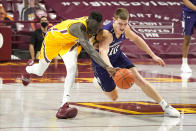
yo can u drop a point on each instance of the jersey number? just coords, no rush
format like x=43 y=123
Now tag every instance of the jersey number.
x=113 y=50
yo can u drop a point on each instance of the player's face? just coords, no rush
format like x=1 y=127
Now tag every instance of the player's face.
x=120 y=25
x=93 y=27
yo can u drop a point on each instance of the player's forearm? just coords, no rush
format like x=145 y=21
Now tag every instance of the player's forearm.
x=93 y=53
x=189 y=4
x=142 y=45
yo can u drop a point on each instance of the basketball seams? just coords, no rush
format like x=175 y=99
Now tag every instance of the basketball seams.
x=124 y=78
x=119 y=75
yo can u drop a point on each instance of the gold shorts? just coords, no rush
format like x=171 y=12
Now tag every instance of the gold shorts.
x=54 y=45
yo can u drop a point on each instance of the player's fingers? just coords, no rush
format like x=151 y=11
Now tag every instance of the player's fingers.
x=162 y=63
x=111 y=71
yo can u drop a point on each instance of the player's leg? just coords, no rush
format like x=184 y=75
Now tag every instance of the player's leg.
x=188 y=23
x=111 y=94
x=103 y=80
x=185 y=48
x=152 y=93
x=48 y=52
x=146 y=86
x=39 y=68
x=124 y=62
x=70 y=61
x=31 y=68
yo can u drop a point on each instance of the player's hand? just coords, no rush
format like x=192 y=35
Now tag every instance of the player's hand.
x=158 y=60
x=112 y=71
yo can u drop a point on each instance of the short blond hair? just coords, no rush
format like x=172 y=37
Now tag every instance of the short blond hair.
x=121 y=13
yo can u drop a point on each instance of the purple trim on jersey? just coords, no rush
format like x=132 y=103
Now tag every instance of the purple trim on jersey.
x=185 y=8
x=45 y=57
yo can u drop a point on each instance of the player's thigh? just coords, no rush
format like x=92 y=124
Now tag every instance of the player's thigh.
x=69 y=57
x=50 y=48
x=103 y=79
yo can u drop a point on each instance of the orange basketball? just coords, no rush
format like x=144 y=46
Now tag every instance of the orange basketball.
x=124 y=78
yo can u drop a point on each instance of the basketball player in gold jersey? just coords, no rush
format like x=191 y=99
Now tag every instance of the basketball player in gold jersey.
x=62 y=39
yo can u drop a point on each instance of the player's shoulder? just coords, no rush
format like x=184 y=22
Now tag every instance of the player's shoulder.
x=106 y=33
x=103 y=34
x=77 y=29
x=78 y=25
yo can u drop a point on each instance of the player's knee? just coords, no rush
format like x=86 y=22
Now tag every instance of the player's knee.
x=114 y=97
x=186 y=41
x=187 y=44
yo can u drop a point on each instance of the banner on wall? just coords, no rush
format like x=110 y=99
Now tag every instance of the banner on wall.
x=157 y=22
x=5 y=43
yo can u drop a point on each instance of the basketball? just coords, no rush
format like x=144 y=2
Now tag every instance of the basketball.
x=124 y=78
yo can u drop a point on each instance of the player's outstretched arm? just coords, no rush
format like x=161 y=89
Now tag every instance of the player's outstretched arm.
x=142 y=45
x=79 y=31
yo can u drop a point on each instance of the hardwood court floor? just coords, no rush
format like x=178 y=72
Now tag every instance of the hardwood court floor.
x=33 y=108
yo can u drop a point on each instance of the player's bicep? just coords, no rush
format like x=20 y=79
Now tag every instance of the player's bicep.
x=103 y=45
x=78 y=30
x=104 y=41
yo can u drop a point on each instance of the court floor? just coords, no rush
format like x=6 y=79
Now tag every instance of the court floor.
x=33 y=108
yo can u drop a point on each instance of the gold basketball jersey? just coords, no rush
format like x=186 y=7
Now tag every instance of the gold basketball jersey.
x=61 y=30
x=58 y=39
